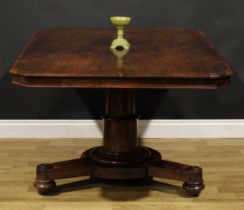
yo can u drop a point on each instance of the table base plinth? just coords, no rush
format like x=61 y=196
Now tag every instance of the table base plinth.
x=121 y=158
x=145 y=170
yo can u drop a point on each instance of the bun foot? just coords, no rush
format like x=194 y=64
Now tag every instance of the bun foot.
x=193 y=189
x=45 y=187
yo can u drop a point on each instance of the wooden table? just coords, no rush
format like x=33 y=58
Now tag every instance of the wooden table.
x=158 y=59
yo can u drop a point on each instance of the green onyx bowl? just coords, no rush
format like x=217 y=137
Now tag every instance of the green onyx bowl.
x=120 y=20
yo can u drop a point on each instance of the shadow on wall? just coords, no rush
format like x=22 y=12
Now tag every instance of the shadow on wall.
x=52 y=103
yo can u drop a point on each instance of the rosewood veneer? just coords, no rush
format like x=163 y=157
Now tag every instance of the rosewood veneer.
x=158 y=59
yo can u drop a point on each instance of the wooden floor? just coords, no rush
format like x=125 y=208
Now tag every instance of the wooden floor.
x=221 y=159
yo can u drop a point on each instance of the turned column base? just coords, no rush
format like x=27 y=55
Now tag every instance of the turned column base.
x=121 y=158
x=145 y=164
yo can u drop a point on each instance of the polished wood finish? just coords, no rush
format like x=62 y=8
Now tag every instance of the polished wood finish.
x=159 y=58
x=120 y=132
x=72 y=57
x=120 y=83
x=222 y=160
x=121 y=157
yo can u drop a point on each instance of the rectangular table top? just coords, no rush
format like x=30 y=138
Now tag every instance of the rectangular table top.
x=158 y=58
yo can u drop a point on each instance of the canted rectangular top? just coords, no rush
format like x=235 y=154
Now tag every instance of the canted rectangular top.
x=158 y=58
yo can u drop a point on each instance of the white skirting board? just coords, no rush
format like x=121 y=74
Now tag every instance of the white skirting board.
x=146 y=128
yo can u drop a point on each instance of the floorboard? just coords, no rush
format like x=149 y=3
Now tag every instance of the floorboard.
x=222 y=161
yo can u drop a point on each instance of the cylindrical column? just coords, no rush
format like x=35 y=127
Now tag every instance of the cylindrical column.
x=120 y=125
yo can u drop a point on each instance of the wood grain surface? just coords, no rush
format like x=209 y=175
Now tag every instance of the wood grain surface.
x=221 y=159
x=159 y=58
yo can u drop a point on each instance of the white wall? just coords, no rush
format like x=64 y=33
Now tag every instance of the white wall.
x=146 y=128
